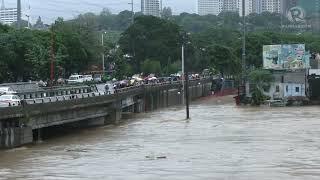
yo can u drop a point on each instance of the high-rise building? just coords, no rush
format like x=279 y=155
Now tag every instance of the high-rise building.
x=236 y=6
x=231 y=5
x=8 y=15
x=251 y=6
x=273 y=6
x=206 y=7
x=257 y=6
x=150 y=7
x=248 y=7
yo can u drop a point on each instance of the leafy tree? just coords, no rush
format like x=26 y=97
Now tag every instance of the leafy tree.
x=223 y=59
x=151 y=38
x=151 y=66
x=261 y=79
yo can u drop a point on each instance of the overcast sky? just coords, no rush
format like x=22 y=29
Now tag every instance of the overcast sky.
x=49 y=10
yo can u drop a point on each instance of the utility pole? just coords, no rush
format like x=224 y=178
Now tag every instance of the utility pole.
x=28 y=15
x=244 y=43
x=29 y=25
x=2 y=5
x=182 y=75
x=19 y=13
x=132 y=11
x=103 y=56
x=161 y=8
x=52 y=57
x=187 y=95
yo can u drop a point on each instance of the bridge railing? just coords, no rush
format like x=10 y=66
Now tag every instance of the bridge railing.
x=122 y=91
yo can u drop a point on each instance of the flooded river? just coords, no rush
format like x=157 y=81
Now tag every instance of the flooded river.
x=221 y=141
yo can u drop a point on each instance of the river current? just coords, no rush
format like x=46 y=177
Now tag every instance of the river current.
x=221 y=141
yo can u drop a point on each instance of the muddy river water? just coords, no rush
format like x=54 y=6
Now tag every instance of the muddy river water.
x=221 y=141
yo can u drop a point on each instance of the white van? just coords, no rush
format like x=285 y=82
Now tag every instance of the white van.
x=7 y=90
x=75 y=79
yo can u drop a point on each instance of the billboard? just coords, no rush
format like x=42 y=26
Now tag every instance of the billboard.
x=301 y=14
x=286 y=56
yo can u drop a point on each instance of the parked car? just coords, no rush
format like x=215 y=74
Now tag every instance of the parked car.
x=88 y=78
x=74 y=79
x=9 y=100
x=97 y=78
x=7 y=90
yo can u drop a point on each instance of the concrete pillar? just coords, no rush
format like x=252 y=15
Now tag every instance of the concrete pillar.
x=156 y=100
x=151 y=103
x=167 y=97
x=115 y=116
x=26 y=136
x=6 y=137
x=39 y=135
x=12 y=137
x=139 y=106
x=1 y=135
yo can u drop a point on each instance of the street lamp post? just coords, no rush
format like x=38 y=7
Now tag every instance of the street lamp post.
x=103 y=56
x=185 y=78
x=182 y=73
x=132 y=11
x=243 y=63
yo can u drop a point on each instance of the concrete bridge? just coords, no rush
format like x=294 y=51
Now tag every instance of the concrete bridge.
x=24 y=124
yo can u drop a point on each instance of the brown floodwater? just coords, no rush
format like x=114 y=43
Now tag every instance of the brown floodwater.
x=221 y=141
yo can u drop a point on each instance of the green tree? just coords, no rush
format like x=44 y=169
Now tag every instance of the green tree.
x=223 y=59
x=151 y=38
x=261 y=79
x=151 y=66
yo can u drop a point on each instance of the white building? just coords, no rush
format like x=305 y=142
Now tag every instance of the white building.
x=231 y=5
x=248 y=7
x=8 y=15
x=251 y=6
x=150 y=7
x=206 y=7
x=236 y=6
x=273 y=6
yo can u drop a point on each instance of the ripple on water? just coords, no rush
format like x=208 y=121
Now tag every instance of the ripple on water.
x=221 y=141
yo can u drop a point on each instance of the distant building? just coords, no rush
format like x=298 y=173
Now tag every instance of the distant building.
x=273 y=6
x=206 y=7
x=257 y=6
x=251 y=6
x=248 y=7
x=151 y=7
x=217 y=6
x=236 y=6
x=8 y=15
x=231 y=5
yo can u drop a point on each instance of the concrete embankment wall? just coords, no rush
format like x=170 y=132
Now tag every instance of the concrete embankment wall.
x=23 y=125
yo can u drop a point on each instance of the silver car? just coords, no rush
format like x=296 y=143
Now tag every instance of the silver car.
x=9 y=100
